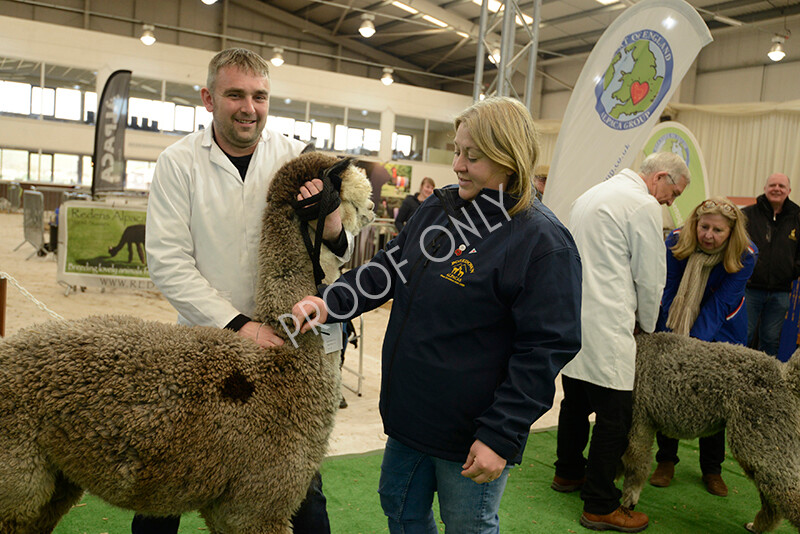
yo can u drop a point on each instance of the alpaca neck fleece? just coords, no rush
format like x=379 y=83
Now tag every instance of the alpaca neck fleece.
x=686 y=304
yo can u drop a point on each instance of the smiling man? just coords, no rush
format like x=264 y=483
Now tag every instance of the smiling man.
x=773 y=223
x=204 y=225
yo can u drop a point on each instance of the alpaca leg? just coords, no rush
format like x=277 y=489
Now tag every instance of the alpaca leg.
x=140 y=251
x=244 y=516
x=26 y=488
x=768 y=518
x=130 y=251
x=65 y=496
x=636 y=460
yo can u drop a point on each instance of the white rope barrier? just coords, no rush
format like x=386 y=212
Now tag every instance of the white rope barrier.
x=30 y=297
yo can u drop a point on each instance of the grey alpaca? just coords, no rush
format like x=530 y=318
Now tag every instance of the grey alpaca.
x=687 y=388
x=164 y=419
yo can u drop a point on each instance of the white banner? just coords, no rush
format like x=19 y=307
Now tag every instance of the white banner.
x=627 y=80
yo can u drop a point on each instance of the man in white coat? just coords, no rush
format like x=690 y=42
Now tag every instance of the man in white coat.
x=204 y=224
x=617 y=226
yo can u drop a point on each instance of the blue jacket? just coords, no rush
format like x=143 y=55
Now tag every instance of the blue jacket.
x=482 y=322
x=723 y=314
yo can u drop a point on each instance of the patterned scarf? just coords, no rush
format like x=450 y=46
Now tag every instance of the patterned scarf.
x=686 y=304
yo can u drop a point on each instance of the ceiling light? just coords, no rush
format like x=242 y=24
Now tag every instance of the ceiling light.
x=465 y=35
x=148 y=37
x=209 y=2
x=367 y=28
x=277 y=56
x=494 y=57
x=404 y=7
x=776 y=53
x=607 y=2
x=386 y=77
x=434 y=20
x=494 y=6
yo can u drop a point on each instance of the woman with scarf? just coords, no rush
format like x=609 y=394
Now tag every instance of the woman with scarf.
x=709 y=261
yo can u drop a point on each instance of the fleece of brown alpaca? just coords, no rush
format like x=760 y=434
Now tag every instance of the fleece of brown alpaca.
x=163 y=418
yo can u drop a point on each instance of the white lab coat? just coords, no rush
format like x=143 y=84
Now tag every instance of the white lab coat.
x=617 y=227
x=204 y=225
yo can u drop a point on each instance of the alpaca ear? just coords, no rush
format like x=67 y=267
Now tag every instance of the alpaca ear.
x=335 y=171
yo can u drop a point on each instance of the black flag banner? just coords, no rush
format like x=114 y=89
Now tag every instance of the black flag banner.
x=109 y=134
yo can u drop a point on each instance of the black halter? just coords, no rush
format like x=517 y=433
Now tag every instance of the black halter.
x=316 y=208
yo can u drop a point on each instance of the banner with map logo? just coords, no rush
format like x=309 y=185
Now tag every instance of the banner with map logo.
x=674 y=137
x=627 y=80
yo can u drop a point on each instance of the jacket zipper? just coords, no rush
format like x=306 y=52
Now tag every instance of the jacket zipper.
x=432 y=248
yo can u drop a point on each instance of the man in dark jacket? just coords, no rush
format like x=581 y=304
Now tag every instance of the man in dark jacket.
x=773 y=223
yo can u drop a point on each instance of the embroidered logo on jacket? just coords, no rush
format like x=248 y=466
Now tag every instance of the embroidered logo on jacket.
x=792 y=236
x=460 y=268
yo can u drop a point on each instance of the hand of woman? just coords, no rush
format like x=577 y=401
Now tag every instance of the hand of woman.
x=483 y=464
x=310 y=312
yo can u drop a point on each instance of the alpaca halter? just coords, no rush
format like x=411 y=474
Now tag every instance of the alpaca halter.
x=316 y=208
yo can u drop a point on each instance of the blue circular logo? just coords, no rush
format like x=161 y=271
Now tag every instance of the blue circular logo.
x=636 y=80
x=672 y=142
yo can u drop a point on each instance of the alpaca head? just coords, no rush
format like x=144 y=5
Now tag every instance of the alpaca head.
x=355 y=193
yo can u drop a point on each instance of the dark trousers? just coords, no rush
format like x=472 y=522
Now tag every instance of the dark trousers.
x=612 y=409
x=310 y=518
x=712 y=452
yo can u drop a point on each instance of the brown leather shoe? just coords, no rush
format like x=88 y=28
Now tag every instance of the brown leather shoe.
x=622 y=520
x=566 y=485
x=663 y=474
x=715 y=485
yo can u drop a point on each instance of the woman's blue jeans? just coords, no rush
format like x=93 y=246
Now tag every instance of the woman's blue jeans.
x=410 y=478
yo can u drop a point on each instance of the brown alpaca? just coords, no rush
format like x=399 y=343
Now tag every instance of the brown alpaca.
x=163 y=419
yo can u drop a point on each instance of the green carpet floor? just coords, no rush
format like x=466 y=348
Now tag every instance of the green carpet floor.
x=529 y=505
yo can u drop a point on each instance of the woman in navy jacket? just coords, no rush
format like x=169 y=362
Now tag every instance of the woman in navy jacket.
x=486 y=287
x=709 y=262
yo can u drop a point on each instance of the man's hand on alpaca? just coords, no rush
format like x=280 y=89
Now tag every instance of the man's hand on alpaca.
x=261 y=333
x=333 y=222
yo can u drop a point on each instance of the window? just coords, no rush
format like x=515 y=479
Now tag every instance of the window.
x=139 y=174
x=41 y=167
x=401 y=146
x=43 y=101
x=15 y=97
x=86 y=171
x=68 y=104
x=184 y=118
x=202 y=118
x=407 y=143
x=370 y=124
x=326 y=120
x=321 y=134
x=14 y=164
x=90 y=107
x=440 y=142
x=65 y=168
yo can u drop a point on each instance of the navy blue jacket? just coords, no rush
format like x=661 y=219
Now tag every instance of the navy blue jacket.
x=482 y=322
x=723 y=314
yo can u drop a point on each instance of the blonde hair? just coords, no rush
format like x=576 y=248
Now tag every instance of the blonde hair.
x=737 y=242
x=503 y=130
x=241 y=58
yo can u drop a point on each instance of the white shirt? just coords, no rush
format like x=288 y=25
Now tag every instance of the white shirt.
x=204 y=225
x=617 y=227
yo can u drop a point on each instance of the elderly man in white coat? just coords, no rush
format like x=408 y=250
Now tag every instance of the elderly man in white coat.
x=617 y=226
